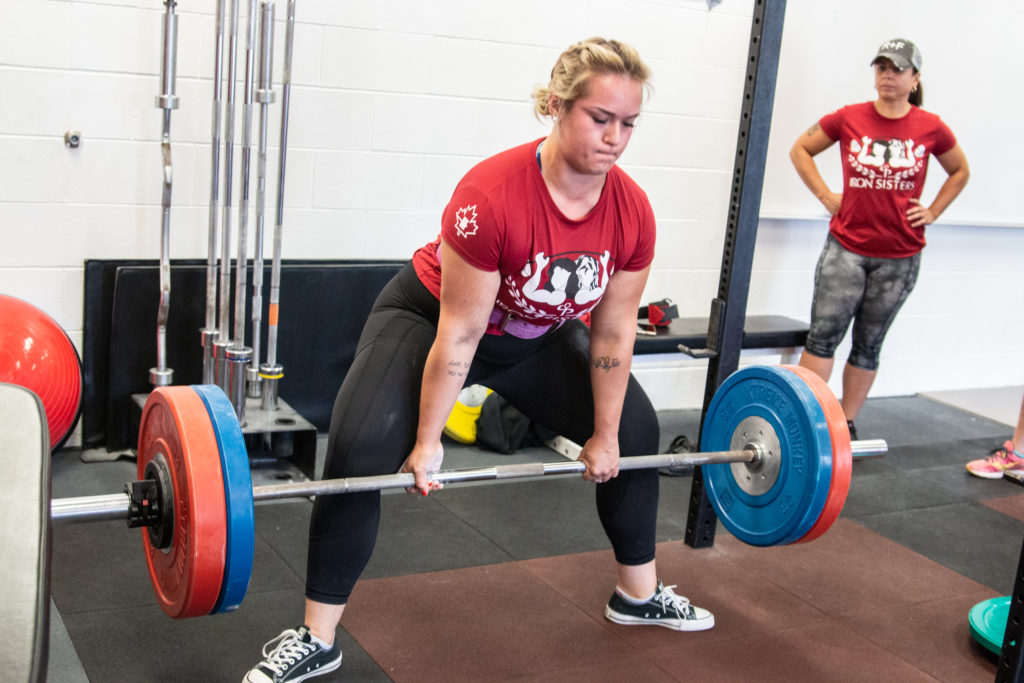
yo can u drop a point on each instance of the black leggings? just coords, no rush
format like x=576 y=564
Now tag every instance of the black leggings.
x=373 y=427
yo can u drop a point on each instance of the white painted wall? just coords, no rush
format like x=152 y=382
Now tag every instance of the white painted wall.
x=393 y=100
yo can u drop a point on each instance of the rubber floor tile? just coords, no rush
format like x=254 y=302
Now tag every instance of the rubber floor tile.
x=812 y=653
x=969 y=538
x=1011 y=506
x=496 y=622
x=553 y=516
x=934 y=636
x=155 y=649
x=850 y=570
x=627 y=668
x=891 y=490
x=743 y=602
x=99 y=566
x=420 y=534
x=902 y=420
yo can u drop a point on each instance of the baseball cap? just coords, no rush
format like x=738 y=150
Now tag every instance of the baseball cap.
x=901 y=52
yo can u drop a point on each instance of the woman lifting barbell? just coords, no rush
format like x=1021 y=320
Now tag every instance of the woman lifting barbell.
x=458 y=314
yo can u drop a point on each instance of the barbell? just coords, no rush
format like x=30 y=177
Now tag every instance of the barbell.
x=780 y=475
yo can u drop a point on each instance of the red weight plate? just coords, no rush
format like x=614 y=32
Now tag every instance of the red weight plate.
x=842 y=453
x=186 y=576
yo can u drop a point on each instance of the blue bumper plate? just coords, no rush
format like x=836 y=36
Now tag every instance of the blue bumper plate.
x=241 y=530
x=778 y=501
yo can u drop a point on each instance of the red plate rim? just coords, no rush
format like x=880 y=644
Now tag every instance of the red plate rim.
x=842 y=452
x=187 y=576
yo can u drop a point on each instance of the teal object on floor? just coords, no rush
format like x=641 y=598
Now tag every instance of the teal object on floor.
x=988 y=622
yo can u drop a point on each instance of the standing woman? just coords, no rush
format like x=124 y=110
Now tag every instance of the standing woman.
x=872 y=254
x=459 y=314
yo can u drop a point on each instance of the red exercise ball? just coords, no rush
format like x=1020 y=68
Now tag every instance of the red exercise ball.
x=37 y=354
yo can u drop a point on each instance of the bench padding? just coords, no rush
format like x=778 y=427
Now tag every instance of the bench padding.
x=25 y=535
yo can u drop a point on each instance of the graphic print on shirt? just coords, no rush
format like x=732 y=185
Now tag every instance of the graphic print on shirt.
x=886 y=164
x=465 y=221
x=561 y=286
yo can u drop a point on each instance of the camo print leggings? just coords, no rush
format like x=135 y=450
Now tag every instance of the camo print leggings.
x=869 y=291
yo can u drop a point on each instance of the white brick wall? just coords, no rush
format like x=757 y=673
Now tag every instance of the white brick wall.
x=392 y=101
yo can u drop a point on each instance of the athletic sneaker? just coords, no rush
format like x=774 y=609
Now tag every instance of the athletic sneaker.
x=294 y=656
x=665 y=608
x=853 y=430
x=999 y=460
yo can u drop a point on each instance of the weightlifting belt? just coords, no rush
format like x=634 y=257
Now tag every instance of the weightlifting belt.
x=503 y=322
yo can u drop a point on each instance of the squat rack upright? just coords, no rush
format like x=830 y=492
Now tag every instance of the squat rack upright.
x=728 y=309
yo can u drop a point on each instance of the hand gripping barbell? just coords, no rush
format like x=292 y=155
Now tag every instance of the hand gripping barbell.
x=780 y=475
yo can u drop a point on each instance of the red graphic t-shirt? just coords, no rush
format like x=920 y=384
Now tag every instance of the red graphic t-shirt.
x=884 y=166
x=501 y=218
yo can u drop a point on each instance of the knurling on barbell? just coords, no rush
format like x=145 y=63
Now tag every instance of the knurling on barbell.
x=780 y=475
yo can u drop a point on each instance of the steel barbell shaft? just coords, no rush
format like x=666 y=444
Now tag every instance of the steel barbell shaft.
x=117 y=506
x=90 y=508
x=521 y=471
x=861 y=449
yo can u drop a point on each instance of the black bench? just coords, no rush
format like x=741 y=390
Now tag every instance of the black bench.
x=760 y=332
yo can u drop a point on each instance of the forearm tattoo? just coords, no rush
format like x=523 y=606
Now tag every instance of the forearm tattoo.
x=458 y=368
x=605 y=363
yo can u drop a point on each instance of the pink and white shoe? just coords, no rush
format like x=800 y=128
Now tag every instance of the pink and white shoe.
x=999 y=461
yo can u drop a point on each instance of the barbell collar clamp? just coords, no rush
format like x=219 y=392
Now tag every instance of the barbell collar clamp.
x=144 y=506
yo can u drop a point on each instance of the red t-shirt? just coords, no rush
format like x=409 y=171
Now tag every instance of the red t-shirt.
x=884 y=166
x=502 y=218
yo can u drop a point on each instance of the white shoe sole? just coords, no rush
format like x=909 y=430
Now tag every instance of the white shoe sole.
x=674 y=624
x=989 y=475
x=333 y=666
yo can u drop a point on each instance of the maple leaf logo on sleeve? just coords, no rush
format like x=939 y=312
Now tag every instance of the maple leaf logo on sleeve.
x=465 y=221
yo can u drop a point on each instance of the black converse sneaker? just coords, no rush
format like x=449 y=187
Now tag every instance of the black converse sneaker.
x=294 y=656
x=665 y=608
